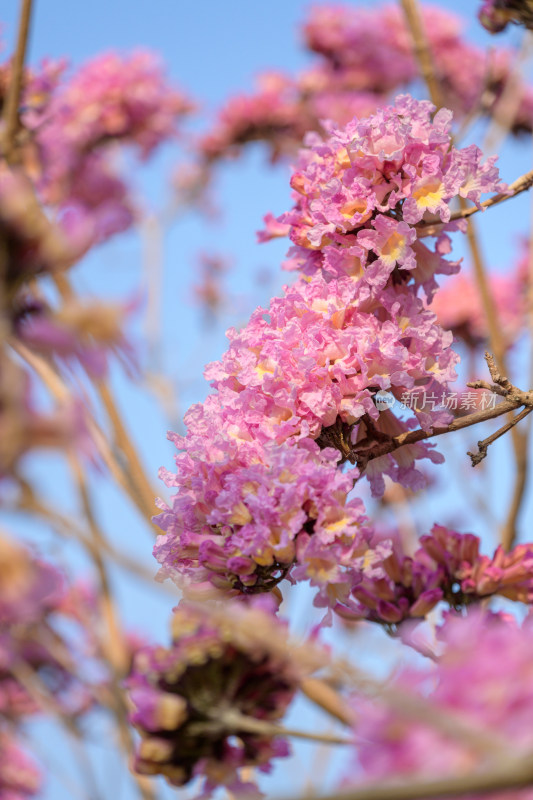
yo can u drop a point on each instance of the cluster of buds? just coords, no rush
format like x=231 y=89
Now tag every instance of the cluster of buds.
x=447 y=568
x=208 y=704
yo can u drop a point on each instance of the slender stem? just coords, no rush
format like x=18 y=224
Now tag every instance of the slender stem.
x=123 y=440
x=61 y=392
x=422 y=50
x=509 y=531
x=64 y=525
x=114 y=645
x=141 y=485
x=495 y=337
x=11 y=120
x=246 y=724
x=484 y=444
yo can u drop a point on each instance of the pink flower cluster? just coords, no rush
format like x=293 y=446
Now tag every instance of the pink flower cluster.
x=255 y=494
x=245 y=515
x=483 y=679
x=281 y=112
x=361 y=193
x=192 y=700
x=111 y=100
x=252 y=482
x=372 y=50
x=448 y=567
x=115 y=98
x=366 y=54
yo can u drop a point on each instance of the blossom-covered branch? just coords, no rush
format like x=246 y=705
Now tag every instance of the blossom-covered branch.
x=521 y=184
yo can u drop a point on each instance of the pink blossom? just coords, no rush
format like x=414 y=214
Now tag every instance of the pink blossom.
x=246 y=526
x=110 y=100
x=495 y=15
x=471 y=681
x=359 y=193
x=20 y=779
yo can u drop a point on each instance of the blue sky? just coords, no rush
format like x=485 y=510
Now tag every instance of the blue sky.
x=211 y=50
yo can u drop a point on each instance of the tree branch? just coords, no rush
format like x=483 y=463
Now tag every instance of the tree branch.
x=11 y=118
x=511 y=774
x=521 y=184
x=514 y=398
x=422 y=49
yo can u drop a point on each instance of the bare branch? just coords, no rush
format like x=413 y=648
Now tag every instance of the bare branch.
x=484 y=444
x=514 y=398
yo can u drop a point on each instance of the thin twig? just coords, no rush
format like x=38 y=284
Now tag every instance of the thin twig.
x=241 y=722
x=422 y=49
x=59 y=390
x=141 y=485
x=114 y=646
x=484 y=444
x=362 y=456
x=324 y=696
x=124 y=442
x=64 y=525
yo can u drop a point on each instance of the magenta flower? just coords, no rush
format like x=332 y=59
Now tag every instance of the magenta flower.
x=471 y=576
x=447 y=567
x=397 y=588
